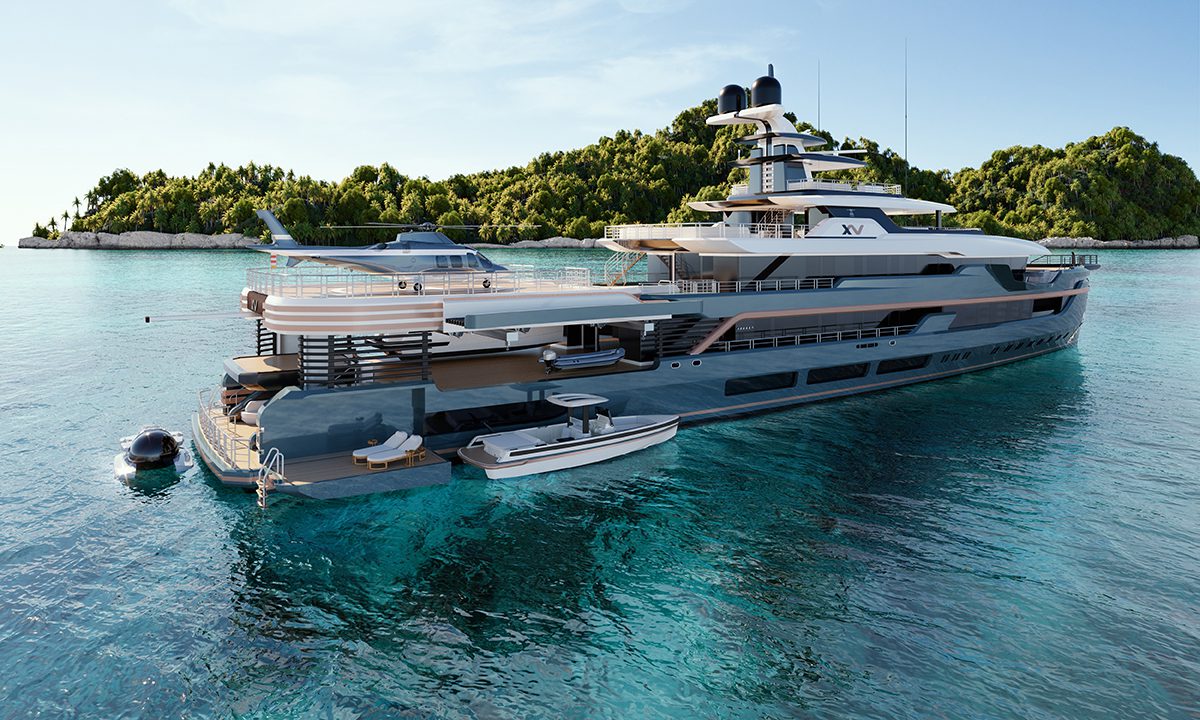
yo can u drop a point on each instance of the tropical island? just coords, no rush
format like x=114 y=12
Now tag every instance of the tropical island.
x=1117 y=187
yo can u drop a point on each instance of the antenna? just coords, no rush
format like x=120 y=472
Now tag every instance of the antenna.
x=906 y=113
x=818 y=93
x=770 y=70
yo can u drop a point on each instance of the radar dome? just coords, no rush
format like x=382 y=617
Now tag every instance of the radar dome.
x=731 y=99
x=766 y=91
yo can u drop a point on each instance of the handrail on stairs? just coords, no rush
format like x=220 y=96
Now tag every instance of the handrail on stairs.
x=270 y=472
x=619 y=264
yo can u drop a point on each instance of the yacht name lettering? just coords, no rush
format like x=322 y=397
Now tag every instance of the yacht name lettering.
x=852 y=229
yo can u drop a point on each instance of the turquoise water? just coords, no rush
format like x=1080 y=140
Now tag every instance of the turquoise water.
x=1020 y=542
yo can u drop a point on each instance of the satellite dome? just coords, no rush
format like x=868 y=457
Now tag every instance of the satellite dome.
x=731 y=99
x=766 y=91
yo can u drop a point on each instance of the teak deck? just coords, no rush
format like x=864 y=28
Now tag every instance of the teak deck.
x=508 y=368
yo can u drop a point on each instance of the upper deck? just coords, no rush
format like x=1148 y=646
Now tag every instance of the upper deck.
x=334 y=282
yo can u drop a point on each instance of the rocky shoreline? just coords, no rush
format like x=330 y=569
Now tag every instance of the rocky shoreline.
x=1183 y=242
x=139 y=240
x=145 y=240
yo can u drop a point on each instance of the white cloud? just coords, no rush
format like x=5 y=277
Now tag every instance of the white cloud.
x=627 y=86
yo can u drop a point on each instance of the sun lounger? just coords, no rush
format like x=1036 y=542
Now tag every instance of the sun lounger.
x=409 y=451
x=397 y=438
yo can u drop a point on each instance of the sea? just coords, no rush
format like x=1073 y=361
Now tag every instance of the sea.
x=1021 y=542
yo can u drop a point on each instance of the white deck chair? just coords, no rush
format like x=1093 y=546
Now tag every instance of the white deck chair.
x=250 y=412
x=410 y=450
x=360 y=455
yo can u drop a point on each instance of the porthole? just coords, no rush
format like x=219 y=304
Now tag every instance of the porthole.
x=695 y=363
x=891 y=342
x=675 y=365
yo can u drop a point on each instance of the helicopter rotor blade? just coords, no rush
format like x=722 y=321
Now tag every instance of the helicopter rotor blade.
x=420 y=226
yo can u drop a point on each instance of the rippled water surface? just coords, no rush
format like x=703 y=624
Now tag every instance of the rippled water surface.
x=1020 y=542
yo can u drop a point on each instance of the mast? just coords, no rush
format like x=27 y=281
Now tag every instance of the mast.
x=818 y=93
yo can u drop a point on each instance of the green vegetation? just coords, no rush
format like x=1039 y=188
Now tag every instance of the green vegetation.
x=1116 y=186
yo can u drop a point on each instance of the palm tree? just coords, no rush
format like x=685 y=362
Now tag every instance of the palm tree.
x=53 y=225
x=76 y=204
x=66 y=219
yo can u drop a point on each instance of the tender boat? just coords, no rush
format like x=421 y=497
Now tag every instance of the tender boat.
x=578 y=441
x=579 y=361
x=152 y=448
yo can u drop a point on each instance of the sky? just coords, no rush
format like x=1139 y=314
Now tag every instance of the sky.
x=436 y=88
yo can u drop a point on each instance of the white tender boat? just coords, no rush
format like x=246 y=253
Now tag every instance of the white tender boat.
x=578 y=441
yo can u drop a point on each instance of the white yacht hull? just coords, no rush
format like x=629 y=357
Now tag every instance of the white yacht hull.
x=658 y=429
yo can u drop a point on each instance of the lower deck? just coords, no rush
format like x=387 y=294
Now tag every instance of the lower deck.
x=511 y=368
x=328 y=476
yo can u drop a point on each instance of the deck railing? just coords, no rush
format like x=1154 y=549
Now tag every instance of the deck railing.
x=338 y=282
x=706 y=287
x=1071 y=260
x=660 y=231
x=844 y=186
x=841 y=185
x=219 y=433
x=778 y=341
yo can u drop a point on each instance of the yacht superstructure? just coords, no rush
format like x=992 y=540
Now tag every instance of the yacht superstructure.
x=801 y=289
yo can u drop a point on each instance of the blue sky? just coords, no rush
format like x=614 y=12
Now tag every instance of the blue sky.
x=438 y=88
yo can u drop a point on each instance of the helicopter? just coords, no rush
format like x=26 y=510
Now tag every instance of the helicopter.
x=417 y=248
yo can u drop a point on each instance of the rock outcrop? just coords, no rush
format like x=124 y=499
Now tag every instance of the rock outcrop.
x=139 y=240
x=1183 y=242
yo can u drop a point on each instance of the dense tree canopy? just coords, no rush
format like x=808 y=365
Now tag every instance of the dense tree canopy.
x=1116 y=186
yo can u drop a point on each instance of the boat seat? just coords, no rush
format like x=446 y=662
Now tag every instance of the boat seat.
x=249 y=414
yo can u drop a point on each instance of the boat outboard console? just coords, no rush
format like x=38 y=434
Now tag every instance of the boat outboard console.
x=152 y=448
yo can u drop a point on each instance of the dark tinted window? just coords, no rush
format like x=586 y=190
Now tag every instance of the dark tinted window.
x=900 y=364
x=442 y=262
x=839 y=372
x=456 y=261
x=759 y=383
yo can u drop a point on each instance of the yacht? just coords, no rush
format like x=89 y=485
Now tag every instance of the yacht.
x=801 y=288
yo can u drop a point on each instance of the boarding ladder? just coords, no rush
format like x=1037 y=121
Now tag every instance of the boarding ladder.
x=270 y=472
x=617 y=267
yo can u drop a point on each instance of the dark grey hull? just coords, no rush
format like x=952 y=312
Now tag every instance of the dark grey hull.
x=696 y=388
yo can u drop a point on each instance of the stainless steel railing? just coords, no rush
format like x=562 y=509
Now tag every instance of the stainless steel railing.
x=219 y=433
x=659 y=231
x=1064 y=260
x=703 y=287
x=809 y=338
x=338 y=282
x=852 y=186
